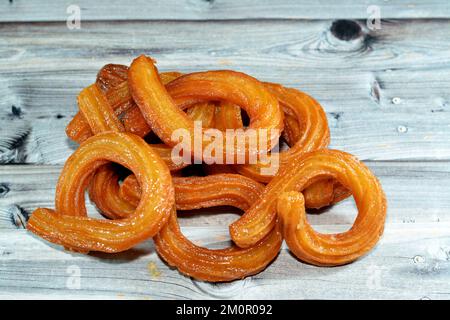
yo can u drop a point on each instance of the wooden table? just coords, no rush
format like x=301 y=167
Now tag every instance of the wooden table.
x=386 y=93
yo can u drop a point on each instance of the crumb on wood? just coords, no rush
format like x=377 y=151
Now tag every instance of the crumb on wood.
x=153 y=270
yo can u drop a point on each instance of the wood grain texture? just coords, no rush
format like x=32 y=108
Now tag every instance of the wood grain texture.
x=386 y=93
x=56 y=10
x=411 y=261
x=386 y=97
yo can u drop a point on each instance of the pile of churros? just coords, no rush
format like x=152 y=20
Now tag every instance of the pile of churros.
x=138 y=184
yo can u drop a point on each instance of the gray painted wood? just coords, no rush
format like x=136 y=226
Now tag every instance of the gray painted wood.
x=411 y=261
x=386 y=97
x=56 y=10
x=386 y=92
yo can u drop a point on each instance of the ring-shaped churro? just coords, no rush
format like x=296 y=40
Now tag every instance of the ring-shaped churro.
x=157 y=104
x=112 y=81
x=307 y=131
x=342 y=248
x=126 y=104
x=97 y=111
x=215 y=265
x=202 y=263
x=312 y=120
x=68 y=225
x=203 y=192
x=119 y=201
x=104 y=192
x=307 y=169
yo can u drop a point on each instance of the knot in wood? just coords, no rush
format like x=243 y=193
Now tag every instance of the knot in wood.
x=346 y=30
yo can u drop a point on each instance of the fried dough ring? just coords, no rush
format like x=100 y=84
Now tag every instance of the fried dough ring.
x=104 y=187
x=324 y=193
x=101 y=118
x=203 y=192
x=227 y=116
x=307 y=127
x=111 y=75
x=307 y=169
x=201 y=263
x=314 y=127
x=112 y=81
x=97 y=111
x=104 y=191
x=134 y=121
x=117 y=94
x=68 y=225
x=214 y=265
x=292 y=131
x=157 y=105
x=342 y=248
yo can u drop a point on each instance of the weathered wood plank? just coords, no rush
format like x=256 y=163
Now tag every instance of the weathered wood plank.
x=417 y=192
x=56 y=10
x=411 y=261
x=386 y=93
x=51 y=48
x=370 y=136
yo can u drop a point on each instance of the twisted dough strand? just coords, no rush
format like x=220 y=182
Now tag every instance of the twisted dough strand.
x=335 y=249
x=138 y=100
x=309 y=168
x=157 y=104
x=203 y=192
x=68 y=224
x=214 y=265
x=202 y=263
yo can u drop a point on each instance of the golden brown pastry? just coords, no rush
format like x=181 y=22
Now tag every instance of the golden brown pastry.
x=68 y=225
